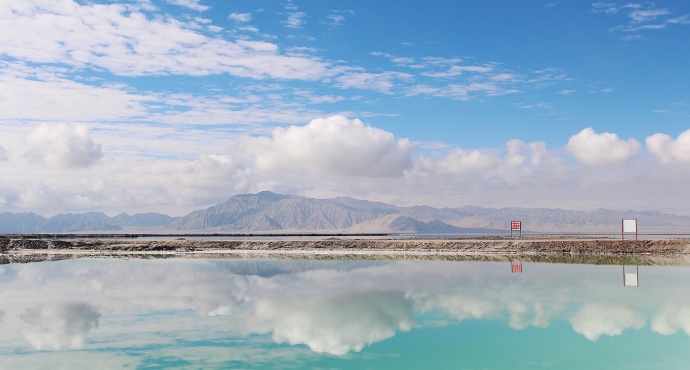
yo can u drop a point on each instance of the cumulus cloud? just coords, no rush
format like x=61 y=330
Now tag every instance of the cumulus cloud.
x=594 y=320
x=63 y=146
x=667 y=150
x=334 y=145
x=459 y=161
x=3 y=154
x=519 y=151
x=129 y=184
x=208 y=179
x=592 y=148
x=58 y=326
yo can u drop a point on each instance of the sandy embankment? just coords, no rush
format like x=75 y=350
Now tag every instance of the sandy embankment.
x=543 y=249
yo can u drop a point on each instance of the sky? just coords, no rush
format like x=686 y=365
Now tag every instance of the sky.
x=176 y=105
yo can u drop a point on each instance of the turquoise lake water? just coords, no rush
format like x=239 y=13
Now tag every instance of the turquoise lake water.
x=233 y=314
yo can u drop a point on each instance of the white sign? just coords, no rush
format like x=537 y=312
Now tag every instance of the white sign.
x=629 y=226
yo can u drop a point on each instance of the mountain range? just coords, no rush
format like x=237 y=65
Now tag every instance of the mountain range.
x=269 y=212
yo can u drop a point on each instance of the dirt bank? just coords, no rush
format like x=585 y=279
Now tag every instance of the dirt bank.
x=546 y=249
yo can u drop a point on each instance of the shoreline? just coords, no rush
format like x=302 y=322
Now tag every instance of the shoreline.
x=537 y=248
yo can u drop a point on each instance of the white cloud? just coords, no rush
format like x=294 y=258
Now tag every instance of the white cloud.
x=240 y=17
x=208 y=179
x=32 y=94
x=59 y=326
x=191 y=4
x=63 y=146
x=640 y=17
x=607 y=8
x=125 y=41
x=29 y=93
x=381 y=82
x=295 y=20
x=683 y=19
x=397 y=60
x=334 y=145
x=594 y=320
x=134 y=184
x=667 y=150
x=533 y=106
x=337 y=17
x=457 y=71
x=459 y=161
x=3 y=154
x=592 y=148
x=519 y=151
x=464 y=92
x=167 y=168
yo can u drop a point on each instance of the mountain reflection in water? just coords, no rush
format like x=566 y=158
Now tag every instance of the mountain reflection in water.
x=342 y=314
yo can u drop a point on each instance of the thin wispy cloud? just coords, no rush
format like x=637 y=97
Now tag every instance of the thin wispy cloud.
x=337 y=17
x=240 y=17
x=640 y=16
x=191 y=4
x=295 y=19
x=138 y=50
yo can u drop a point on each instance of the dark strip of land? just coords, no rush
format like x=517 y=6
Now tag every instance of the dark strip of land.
x=533 y=248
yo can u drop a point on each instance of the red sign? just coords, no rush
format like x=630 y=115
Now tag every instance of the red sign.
x=516 y=268
x=516 y=225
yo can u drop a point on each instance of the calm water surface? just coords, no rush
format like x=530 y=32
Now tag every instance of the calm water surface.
x=188 y=313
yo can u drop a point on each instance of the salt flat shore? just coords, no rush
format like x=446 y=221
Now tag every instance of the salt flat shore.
x=533 y=248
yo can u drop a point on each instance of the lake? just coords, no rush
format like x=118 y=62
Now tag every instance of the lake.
x=252 y=313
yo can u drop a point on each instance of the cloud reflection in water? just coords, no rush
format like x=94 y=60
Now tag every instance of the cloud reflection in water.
x=330 y=307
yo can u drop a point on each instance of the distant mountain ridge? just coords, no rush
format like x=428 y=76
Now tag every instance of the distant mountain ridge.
x=267 y=211
x=25 y=223
x=270 y=212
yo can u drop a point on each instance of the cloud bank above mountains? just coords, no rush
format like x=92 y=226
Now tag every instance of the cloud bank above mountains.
x=333 y=156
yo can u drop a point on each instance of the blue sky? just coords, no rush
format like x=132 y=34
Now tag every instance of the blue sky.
x=173 y=105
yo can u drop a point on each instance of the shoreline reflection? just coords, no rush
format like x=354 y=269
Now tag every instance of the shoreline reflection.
x=296 y=310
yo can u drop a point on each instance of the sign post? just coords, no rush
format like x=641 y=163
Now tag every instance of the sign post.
x=515 y=226
x=628 y=226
